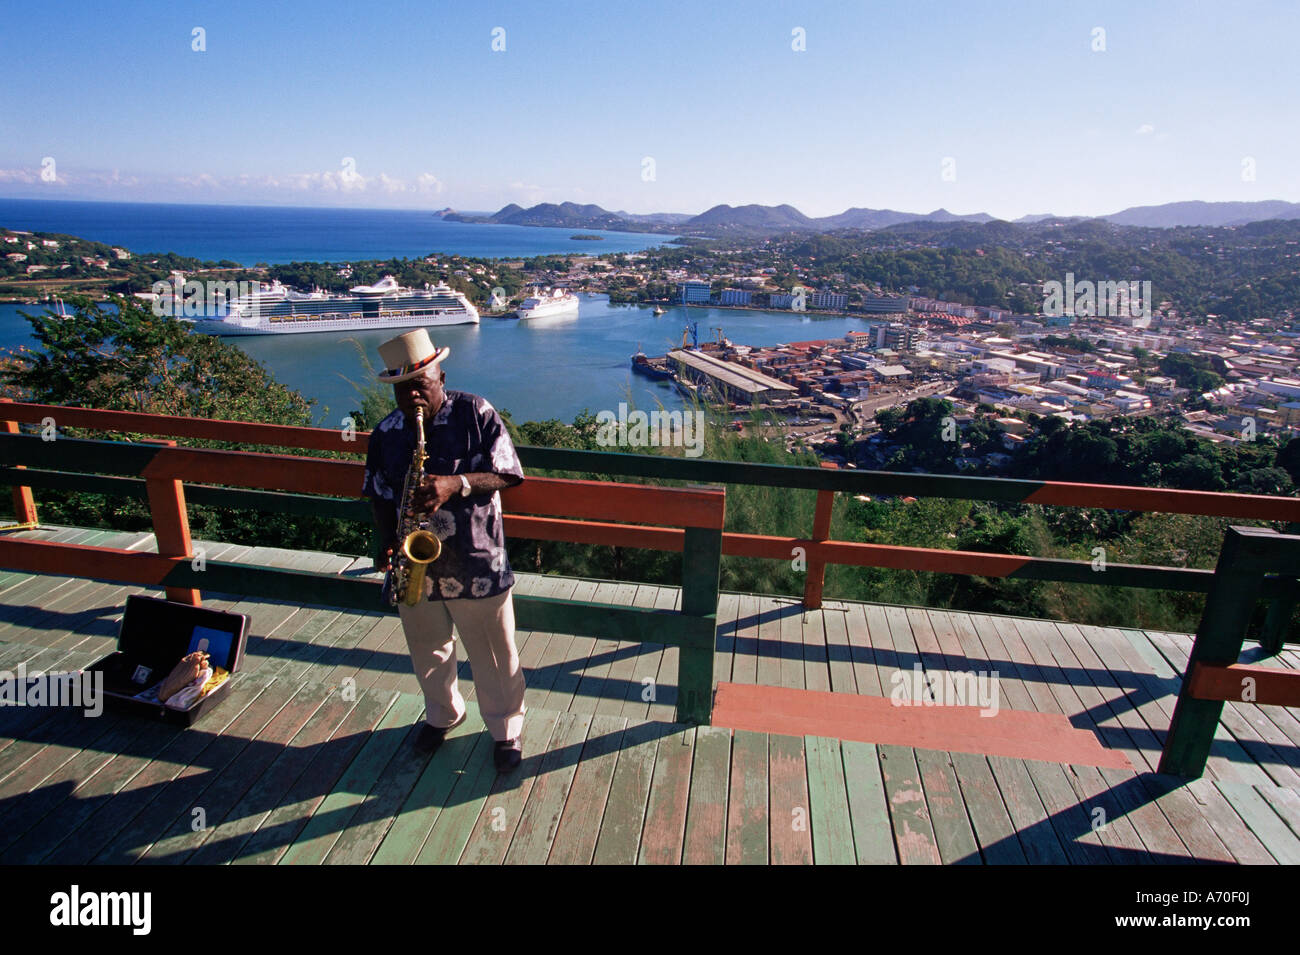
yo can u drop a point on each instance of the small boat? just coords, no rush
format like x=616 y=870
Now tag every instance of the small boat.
x=659 y=309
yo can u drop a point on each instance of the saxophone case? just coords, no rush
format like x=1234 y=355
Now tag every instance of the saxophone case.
x=155 y=634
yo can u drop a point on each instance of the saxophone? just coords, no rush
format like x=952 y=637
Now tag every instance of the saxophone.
x=419 y=547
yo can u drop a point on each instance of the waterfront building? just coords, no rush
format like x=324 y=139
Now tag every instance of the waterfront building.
x=694 y=292
x=734 y=382
x=735 y=296
x=830 y=300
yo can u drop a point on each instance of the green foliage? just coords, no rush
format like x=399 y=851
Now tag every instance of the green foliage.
x=125 y=358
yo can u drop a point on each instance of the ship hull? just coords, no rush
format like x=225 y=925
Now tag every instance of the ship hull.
x=546 y=311
x=308 y=325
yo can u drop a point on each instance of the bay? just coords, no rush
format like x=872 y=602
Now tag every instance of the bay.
x=535 y=369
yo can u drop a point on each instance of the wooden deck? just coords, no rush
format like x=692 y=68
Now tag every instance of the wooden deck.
x=309 y=761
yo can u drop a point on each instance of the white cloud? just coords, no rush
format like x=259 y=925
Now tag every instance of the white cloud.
x=1145 y=129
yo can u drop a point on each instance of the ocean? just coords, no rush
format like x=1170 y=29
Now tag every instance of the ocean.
x=274 y=235
x=536 y=369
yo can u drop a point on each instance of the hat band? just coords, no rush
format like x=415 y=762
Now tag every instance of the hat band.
x=414 y=366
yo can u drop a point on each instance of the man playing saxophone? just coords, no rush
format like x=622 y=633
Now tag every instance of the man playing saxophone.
x=470 y=458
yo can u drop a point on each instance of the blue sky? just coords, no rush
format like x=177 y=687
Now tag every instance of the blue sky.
x=1031 y=118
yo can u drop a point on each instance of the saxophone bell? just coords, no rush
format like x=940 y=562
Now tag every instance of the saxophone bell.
x=420 y=548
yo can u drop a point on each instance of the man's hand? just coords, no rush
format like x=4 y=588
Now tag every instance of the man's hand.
x=435 y=491
x=385 y=558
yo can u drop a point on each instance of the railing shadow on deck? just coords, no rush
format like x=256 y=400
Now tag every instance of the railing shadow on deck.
x=1061 y=832
x=61 y=798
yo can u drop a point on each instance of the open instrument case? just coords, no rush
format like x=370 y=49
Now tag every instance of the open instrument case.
x=154 y=635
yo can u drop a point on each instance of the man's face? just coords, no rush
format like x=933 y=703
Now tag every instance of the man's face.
x=424 y=392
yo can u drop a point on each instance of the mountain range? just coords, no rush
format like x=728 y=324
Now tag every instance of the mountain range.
x=751 y=220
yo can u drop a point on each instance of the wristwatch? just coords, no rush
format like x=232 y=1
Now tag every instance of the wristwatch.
x=464 y=486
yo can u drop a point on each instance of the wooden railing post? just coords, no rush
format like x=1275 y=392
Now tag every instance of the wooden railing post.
x=701 y=568
x=171 y=524
x=815 y=580
x=1219 y=640
x=24 y=503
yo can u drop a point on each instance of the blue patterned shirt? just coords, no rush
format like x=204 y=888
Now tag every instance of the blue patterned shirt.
x=466 y=436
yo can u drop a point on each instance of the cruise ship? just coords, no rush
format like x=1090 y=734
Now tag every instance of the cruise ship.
x=549 y=304
x=277 y=310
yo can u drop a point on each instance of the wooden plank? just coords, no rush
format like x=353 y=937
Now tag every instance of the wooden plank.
x=665 y=823
x=768 y=669
x=725 y=649
x=1099 y=693
x=747 y=822
x=580 y=823
x=832 y=831
x=1144 y=747
x=596 y=689
x=979 y=642
x=1108 y=816
x=492 y=833
x=1273 y=832
x=943 y=799
x=816 y=658
x=332 y=816
x=861 y=654
x=541 y=816
x=994 y=830
x=913 y=832
x=623 y=683
x=790 y=647
x=283 y=825
x=133 y=840
x=219 y=798
x=1285 y=802
x=903 y=641
x=1037 y=836
x=367 y=827
x=620 y=830
x=52 y=778
x=643 y=683
x=1073 y=826
x=706 y=816
x=451 y=830
x=744 y=662
x=1168 y=818
x=663 y=707
x=873 y=839
x=106 y=820
x=431 y=794
x=790 y=822
x=839 y=653
x=226 y=839
x=1236 y=835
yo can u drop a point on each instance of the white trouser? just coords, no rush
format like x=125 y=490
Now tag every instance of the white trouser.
x=487 y=627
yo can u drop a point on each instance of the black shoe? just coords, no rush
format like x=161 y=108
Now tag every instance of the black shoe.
x=431 y=737
x=508 y=753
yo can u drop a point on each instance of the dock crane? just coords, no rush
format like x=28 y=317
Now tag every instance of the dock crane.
x=693 y=332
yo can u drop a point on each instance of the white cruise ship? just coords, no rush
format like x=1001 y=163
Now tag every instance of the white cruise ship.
x=549 y=304
x=277 y=310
